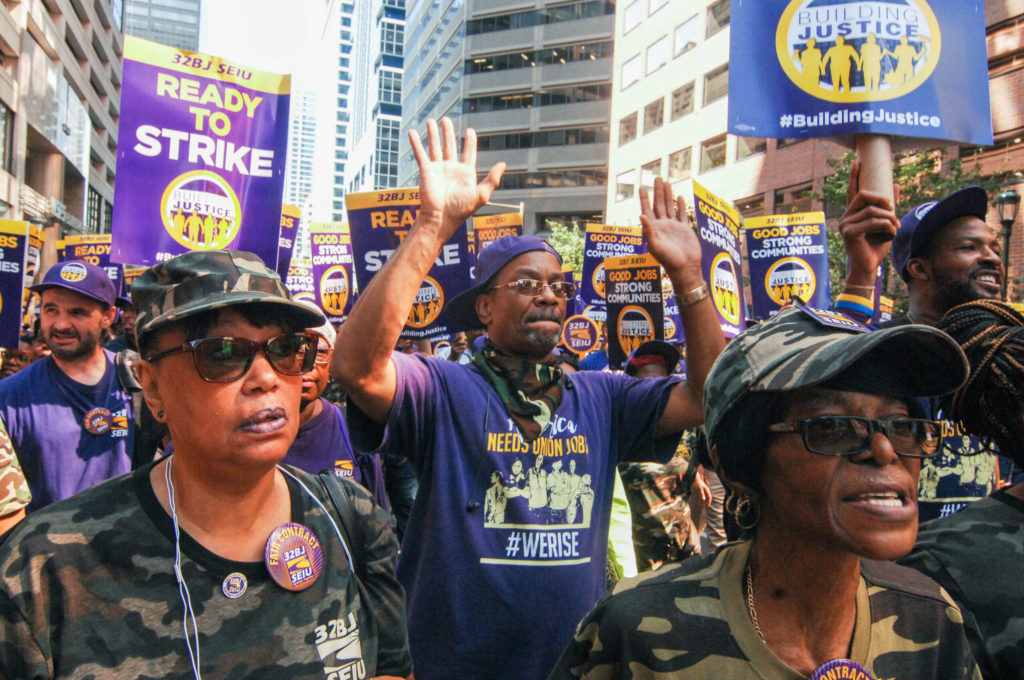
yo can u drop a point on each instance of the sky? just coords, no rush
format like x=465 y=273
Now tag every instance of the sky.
x=300 y=41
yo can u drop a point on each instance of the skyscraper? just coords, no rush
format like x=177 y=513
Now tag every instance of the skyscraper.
x=341 y=116
x=298 y=176
x=377 y=96
x=170 y=22
x=535 y=83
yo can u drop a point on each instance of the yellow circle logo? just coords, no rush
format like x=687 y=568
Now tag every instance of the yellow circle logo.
x=306 y=296
x=427 y=305
x=334 y=290
x=670 y=328
x=789 y=278
x=635 y=328
x=200 y=211
x=725 y=288
x=857 y=51
x=598 y=280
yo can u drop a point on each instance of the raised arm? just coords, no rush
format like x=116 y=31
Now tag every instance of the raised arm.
x=449 y=193
x=675 y=245
x=868 y=227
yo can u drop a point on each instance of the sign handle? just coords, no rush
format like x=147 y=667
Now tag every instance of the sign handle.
x=875 y=155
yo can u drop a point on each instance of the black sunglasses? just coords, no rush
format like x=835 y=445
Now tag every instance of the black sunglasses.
x=851 y=435
x=223 y=359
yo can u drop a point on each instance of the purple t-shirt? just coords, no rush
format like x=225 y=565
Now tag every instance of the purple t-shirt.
x=323 y=444
x=47 y=414
x=505 y=548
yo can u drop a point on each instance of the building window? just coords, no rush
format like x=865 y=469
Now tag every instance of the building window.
x=527 y=100
x=748 y=146
x=682 y=100
x=654 y=115
x=752 y=206
x=597 y=134
x=679 y=164
x=718 y=17
x=625 y=184
x=657 y=55
x=655 y=5
x=6 y=138
x=712 y=153
x=632 y=16
x=647 y=174
x=685 y=36
x=391 y=38
x=627 y=129
x=531 y=58
x=787 y=141
x=631 y=72
x=716 y=84
x=389 y=87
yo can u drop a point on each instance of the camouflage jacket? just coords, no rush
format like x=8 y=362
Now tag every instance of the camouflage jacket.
x=14 y=493
x=87 y=590
x=978 y=556
x=690 y=621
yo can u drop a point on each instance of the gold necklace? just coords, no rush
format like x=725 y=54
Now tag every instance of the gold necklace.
x=750 y=604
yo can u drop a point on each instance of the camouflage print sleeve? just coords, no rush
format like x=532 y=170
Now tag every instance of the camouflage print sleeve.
x=20 y=655
x=14 y=493
x=387 y=597
x=577 y=660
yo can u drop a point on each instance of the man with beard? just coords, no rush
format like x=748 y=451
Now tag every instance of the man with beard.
x=948 y=255
x=479 y=591
x=70 y=419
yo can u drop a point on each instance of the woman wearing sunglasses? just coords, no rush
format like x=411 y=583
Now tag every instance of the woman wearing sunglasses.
x=977 y=554
x=215 y=560
x=814 y=426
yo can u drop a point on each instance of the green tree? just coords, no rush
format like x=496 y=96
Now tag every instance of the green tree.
x=919 y=177
x=568 y=241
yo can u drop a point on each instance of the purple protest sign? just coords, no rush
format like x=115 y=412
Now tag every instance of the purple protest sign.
x=489 y=228
x=299 y=281
x=601 y=241
x=332 y=268
x=719 y=232
x=378 y=221
x=14 y=237
x=291 y=215
x=94 y=249
x=635 y=306
x=201 y=155
x=787 y=256
x=673 y=321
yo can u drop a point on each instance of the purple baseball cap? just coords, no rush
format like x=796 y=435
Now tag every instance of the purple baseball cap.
x=924 y=221
x=80 y=277
x=489 y=261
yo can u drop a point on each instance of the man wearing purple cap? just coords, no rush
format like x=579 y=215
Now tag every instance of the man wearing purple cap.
x=947 y=255
x=503 y=590
x=69 y=417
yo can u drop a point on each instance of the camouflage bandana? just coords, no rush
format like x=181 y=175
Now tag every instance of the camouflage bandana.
x=530 y=391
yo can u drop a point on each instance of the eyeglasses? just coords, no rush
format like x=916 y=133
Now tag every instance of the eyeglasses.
x=850 y=435
x=533 y=287
x=323 y=355
x=223 y=359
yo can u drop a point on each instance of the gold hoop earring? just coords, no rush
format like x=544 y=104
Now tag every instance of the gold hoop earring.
x=747 y=509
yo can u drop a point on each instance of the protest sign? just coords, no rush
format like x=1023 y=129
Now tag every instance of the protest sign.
x=787 y=256
x=94 y=249
x=673 y=322
x=601 y=241
x=635 y=305
x=299 y=281
x=813 y=68
x=378 y=221
x=14 y=245
x=291 y=215
x=489 y=228
x=130 y=273
x=200 y=158
x=718 y=231
x=581 y=334
x=885 y=305
x=332 y=268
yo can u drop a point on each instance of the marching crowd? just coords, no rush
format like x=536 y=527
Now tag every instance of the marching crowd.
x=227 y=485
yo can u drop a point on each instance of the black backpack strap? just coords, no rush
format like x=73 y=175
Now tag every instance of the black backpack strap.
x=336 y=490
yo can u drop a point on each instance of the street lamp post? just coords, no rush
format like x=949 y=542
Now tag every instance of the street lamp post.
x=1007 y=204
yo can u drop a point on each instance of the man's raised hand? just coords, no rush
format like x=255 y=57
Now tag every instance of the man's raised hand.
x=449 y=192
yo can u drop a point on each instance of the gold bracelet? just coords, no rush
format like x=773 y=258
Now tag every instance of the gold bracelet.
x=694 y=296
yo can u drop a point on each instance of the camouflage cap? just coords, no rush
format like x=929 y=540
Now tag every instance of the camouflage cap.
x=202 y=280
x=801 y=347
